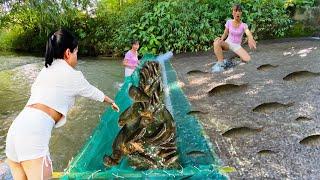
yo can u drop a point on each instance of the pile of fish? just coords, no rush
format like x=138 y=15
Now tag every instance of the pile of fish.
x=148 y=132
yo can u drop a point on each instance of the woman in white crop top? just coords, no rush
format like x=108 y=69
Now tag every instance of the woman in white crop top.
x=52 y=95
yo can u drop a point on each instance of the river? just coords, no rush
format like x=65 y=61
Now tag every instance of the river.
x=17 y=74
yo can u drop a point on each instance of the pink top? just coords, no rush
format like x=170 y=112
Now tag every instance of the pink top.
x=235 y=34
x=132 y=58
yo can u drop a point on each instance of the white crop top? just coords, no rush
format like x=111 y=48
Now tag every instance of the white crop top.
x=58 y=85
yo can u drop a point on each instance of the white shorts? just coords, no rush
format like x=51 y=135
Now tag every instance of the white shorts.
x=128 y=72
x=29 y=135
x=233 y=46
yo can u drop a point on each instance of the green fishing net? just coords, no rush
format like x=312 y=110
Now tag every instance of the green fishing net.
x=196 y=153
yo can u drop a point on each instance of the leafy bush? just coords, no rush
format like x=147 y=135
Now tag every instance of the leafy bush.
x=7 y=36
x=266 y=18
x=192 y=25
x=36 y=20
x=299 y=3
x=117 y=20
x=160 y=25
x=173 y=25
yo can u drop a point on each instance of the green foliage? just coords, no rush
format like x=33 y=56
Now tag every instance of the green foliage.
x=118 y=20
x=173 y=25
x=7 y=36
x=177 y=25
x=292 y=5
x=266 y=18
x=300 y=30
x=108 y=26
x=299 y=3
x=37 y=20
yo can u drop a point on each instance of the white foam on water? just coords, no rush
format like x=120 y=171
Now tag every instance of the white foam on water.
x=118 y=85
x=164 y=57
x=161 y=59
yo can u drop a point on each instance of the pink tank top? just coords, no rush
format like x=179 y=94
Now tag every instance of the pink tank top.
x=132 y=58
x=235 y=34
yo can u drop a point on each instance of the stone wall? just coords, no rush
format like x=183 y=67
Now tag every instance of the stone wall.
x=309 y=17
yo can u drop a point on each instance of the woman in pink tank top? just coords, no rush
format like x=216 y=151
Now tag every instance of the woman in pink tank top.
x=131 y=60
x=231 y=39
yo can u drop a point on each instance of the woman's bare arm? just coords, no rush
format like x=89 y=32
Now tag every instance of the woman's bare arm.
x=225 y=34
x=251 y=41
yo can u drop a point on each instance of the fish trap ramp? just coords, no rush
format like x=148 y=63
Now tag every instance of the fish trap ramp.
x=196 y=153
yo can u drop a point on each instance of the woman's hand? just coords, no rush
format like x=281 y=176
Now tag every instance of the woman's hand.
x=115 y=107
x=219 y=39
x=252 y=43
x=125 y=62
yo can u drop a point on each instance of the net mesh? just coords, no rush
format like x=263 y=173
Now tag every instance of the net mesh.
x=196 y=153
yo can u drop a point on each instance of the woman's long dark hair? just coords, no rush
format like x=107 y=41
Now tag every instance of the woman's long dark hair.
x=57 y=44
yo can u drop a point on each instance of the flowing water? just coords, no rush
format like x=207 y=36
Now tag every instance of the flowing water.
x=17 y=74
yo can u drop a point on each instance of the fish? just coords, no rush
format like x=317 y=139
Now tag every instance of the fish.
x=117 y=148
x=168 y=138
x=158 y=133
x=145 y=87
x=148 y=130
x=154 y=86
x=169 y=131
x=138 y=95
x=148 y=67
x=172 y=161
x=170 y=145
x=157 y=98
x=124 y=144
x=143 y=76
x=156 y=69
x=167 y=115
x=145 y=121
x=146 y=73
x=142 y=161
x=139 y=134
x=167 y=152
x=146 y=114
x=130 y=115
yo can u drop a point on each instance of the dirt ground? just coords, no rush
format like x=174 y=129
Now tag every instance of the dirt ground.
x=262 y=117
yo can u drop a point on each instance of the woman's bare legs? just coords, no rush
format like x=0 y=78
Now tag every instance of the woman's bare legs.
x=40 y=168
x=16 y=170
x=218 y=47
x=243 y=54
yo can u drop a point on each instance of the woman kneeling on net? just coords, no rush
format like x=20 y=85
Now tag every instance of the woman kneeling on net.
x=52 y=95
x=234 y=30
